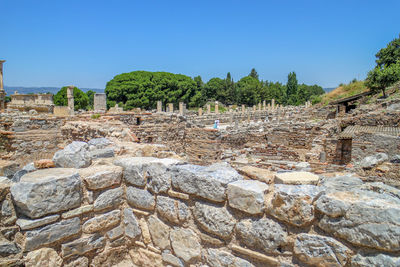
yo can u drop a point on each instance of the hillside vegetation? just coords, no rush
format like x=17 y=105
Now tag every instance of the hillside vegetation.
x=344 y=90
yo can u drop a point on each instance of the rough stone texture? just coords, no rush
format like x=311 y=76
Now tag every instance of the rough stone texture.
x=99 y=142
x=375 y=260
x=132 y=228
x=296 y=178
x=47 y=191
x=26 y=169
x=171 y=259
x=135 y=168
x=74 y=155
x=214 y=219
x=341 y=183
x=8 y=248
x=220 y=258
x=8 y=168
x=43 y=257
x=143 y=257
x=293 y=203
x=363 y=217
x=79 y=262
x=263 y=234
x=158 y=178
x=171 y=209
x=25 y=224
x=185 y=243
x=374 y=160
x=255 y=173
x=102 y=222
x=102 y=153
x=247 y=196
x=44 y=163
x=52 y=233
x=319 y=250
x=77 y=211
x=115 y=233
x=109 y=199
x=207 y=182
x=159 y=232
x=139 y=198
x=83 y=245
x=101 y=176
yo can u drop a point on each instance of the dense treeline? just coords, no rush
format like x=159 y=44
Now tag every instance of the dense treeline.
x=143 y=89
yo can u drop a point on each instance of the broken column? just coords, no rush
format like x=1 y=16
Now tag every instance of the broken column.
x=200 y=112
x=159 y=106
x=181 y=109
x=208 y=108
x=2 y=92
x=170 y=107
x=273 y=104
x=100 y=102
x=70 y=97
x=216 y=107
x=243 y=109
x=259 y=106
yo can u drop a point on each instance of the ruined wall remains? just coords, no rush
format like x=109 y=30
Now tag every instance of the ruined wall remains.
x=159 y=212
x=26 y=102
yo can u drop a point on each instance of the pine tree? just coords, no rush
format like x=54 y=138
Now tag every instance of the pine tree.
x=291 y=89
x=253 y=73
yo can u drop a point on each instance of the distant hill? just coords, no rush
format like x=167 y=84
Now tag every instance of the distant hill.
x=327 y=90
x=36 y=90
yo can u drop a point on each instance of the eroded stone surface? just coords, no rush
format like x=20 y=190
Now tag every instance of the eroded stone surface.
x=102 y=222
x=293 y=203
x=139 y=198
x=375 y=260
x=132 y=228
x=52 y=233
x=47 y=191
x=247 y=196
x=207 y=182
x=74 y=155
x=159 y=232
x=101 y=176
x=186 y=244
x=83 y=245
x=43 y=257
x=318 y=250
x=264 y=234
x=109 y=199
x=213 y=219
x=8 y=248
x=171 y=209
x=220 y=258
x=296 y=178
x=25 y=224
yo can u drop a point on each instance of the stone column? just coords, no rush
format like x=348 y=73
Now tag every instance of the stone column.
x=2 y=92
x=216 y=107
x=269 y=107
x=70 y=97
x=243 y=109
x=171 y=107
x=264 y=105
x=254 y=108
x=159 y=106
x=181 y=111
x=200 y=112
x=259 y=106
x=273 y=104
x=208 y=109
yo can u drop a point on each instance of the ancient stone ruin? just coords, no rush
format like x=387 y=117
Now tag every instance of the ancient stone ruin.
x=270 y=186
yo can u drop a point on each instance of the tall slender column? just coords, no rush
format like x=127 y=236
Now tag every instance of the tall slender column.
x=70 y=97
x=2 y=92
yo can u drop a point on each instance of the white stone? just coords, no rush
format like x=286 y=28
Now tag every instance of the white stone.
x=247 y=196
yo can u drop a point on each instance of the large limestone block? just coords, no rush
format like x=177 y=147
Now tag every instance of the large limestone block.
x=102 y=222
x=52 y=233
x=8 y=248
x=173 y=210
x=207 y=182
x=296 y=178
x=47 y=191
x=247 y=196
x=138 y=169
x=255 y=173
x=132 y=228
x=374 y=160
x=109 y=199
x=365 y=216
x=186 y=244
x=8 y=168
x=101 y=176
x=83 y=245
x=264 y=234
x=42 y=258
x=220 y=258
x=213 y=219
x=139 y=198
x=317 y=250
x=26 y=224
x=375 y=261
x=294 y=203
x=74 y=155
x=159 y=232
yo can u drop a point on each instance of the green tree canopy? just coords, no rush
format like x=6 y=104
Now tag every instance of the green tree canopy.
x=253 y=73
x=81 y=100
x=389 y=55
x=248 y=89
x=90 y=95
x=291 y=89
x=143 y=89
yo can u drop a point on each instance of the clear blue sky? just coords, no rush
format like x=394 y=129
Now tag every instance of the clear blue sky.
x=88 y=42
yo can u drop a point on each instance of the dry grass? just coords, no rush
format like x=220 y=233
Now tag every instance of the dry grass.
x=345 y=90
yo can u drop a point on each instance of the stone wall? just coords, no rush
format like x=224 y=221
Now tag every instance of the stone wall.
x=162 y=212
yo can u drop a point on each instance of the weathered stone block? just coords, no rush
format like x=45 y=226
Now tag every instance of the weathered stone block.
x=74 y=155
x=296 y=178
x=77 y=211
x=207 y=182
x=220 y=258
x=47 y=191
x=159 y=232
x=43 y=257
x=8 y=248
x=186 y=244
x=264 y=234
x=173 y=210
x=115 y=233
x=375 y=260
x=102 y=222
x=214 y=219
x=109 y=199
x=247 y=196
x=171 y=259
x=25 y=224
x=293 y=203
x=139 y=198
x=101 y=176
x=52 y=233
x=132 y=228
x=317 y=250
x=83 y=245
